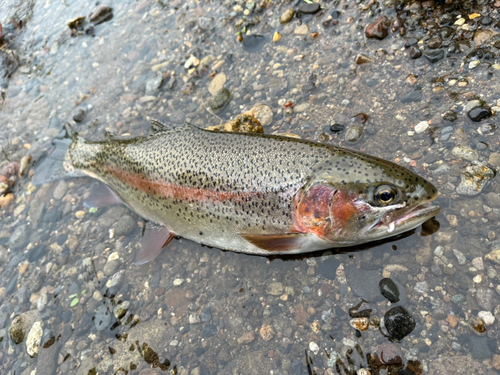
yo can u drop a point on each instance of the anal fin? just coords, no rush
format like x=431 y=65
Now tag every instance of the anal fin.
x=277 y=242
x=154 y=239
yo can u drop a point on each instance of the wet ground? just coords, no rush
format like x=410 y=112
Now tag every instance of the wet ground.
x=72 y=301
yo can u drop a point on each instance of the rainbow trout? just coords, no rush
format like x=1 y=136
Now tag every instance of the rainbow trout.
x=251 y=193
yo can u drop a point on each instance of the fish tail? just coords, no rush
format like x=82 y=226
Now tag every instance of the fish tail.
x=57 y=165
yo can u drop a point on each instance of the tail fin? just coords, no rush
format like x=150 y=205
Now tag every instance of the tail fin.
x=57 y=166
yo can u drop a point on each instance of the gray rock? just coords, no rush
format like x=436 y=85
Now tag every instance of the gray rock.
x=479 y=347
x=474 y=178
x=219 y=101
x=206 y=314
x=484 y=298
x=126 y=225
x=21 y=325
x=206 y=23
x=112 y=215
x=154 y=84
x=102 y=318
x=20 y=237
x=364 y=283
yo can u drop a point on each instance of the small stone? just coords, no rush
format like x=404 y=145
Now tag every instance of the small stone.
x=79 y=115
x=287 y=16
x=209 y=330
x=178 y=282
x=487 y=317
x=363 y=59
x=34 y=338
x=80 y=214
x=309 y=8
x=399 y=323
x=6 y=199
x=478 y=263
x=328 y=268
x=452 y=320
x=314 y=347
x=246 y=338
x=479 y=347
x=493 y=256
x=415 y=53
x=219 y=100
x=275 y=289
x=421 y=127
x=263 y=113
x=474 y=178
x=484 y=298
x=478 y=113
x=191 y=61
x=120 y=310
x=496 y=361
x=301 y=30
x=102 y=318
x=194 y=319
x=434 y=56
x=460 y=257
x=97 y=296
x=217 y=83
x=42 y=302
x=389 y=355
x=378 y=29
x=266 y=332
x=360 y=323
x=354 y=133
x=102 y=14
x=276 y=37
x=301 y=107
x=389 y=290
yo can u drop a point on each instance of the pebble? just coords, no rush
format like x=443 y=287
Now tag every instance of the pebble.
x=361 y=324
x=415 y=53
x=487 y=317
x=301 y=107
x=102 y=14
x=309 y=8
x=79 y=115
x=287 y=16
x=120 y=310
x=97 y=295
x=479 y=348
x=178 y=282
x=378 y=29
x=399 y=323
x=125 y=226
x=115 y=280
x=194 y=319
x=474 y=178
x=42 y=302
x=217 y=83
x=80 y=214
x=389 y=355
x=206 y=314
x=246 y=338
x=219 y=100
x=433 y=56
x=263 y=113
x=275 y=289
x=364 y=283
x=421 y=127
x=478 y=263
x=363 y=59
x=154 y=84
x=21 y=325
x=478 y=113
x=484 y=297
x=460 y=257
x=254 y=43
x=209 y=330
x=34 y=338
x=110 y=267
x=20 y=237
x=266 y=332
x=314 y=347
x=102 y=318
x=493 y=256
x=6 y=200
x=354 y=133
x=301 y=30
x=389 y=290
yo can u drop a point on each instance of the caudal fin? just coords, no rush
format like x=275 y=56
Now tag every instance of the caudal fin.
x=56 y=166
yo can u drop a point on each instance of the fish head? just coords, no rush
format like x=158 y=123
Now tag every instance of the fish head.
x=359 y=198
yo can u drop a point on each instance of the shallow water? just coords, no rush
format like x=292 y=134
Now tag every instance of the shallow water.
x=200 y=310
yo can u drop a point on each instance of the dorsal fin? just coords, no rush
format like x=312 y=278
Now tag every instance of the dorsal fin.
x=159 y=127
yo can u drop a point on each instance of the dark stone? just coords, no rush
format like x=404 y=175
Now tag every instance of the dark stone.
x=378 y=29
x=434 y=43
x=411 y=42
x=20 y=237
x=328 y=268
x=220 y=100
x=126 y=225
x=412 y=96
x=478 y=346
x=335 y=14
x=309 y=8
x=479 y=113
x=364 y=283
x=11 y=285
x=449 y=116
x=102 y=14
x=337 y=128
x=415 y=53
x=399 y=323
x=55 y=123
x=102 y=318
x=206 y=314
x=79 y=115
x=389 y=290
x=434 y=55
x=254 y=43
x=209 y=330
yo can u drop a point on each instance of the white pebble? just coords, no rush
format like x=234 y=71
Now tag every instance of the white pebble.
x=314 y=347
x=178 y=282
x=487 y=317
x=421 y=127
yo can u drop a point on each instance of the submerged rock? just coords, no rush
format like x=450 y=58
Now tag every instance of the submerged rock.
x=220 y=100
x=34 y=338
x=102 y=14
x=474 y=178
x=21 y=325
x=241 y=123
x=389 y=289
x=378 y=29
x=399 y=323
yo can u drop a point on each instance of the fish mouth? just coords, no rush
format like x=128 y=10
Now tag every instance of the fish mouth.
x=410 y=220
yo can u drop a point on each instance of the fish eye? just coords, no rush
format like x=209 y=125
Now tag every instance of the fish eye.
x=385 y=195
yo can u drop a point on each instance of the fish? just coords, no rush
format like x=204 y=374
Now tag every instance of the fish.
x=253 y=193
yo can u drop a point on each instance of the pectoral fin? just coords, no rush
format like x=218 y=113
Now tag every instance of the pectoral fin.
x=102 y=196
x=277 y=242
x=154 y=239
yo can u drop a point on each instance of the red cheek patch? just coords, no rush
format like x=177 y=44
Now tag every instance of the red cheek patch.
x=342 y=210
x=312 y=210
